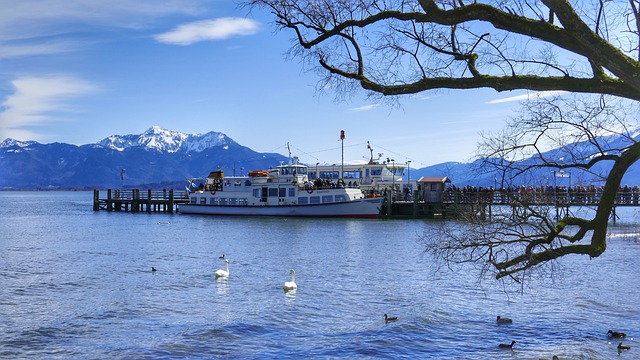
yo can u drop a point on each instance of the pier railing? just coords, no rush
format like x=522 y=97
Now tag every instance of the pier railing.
x=135 y=200
x=551 y=198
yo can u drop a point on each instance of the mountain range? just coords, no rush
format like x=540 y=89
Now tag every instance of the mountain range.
x=161 y=158
x=155 y=158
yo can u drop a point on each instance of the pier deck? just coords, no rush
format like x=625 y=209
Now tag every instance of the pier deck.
x=135 y=200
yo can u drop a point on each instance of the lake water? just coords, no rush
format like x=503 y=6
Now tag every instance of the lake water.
x=78 y=284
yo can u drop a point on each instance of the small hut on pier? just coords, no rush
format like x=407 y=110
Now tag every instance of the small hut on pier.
x=433 y=187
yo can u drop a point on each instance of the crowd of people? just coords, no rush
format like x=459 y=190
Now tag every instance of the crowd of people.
x=569 y=195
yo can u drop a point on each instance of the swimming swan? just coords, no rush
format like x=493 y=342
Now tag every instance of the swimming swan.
x=291 y=285
x=223 y=273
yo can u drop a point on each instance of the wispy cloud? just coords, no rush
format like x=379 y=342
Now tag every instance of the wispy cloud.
x=529 y=96
x=365 y=107
x=37 y=100
x=28 y=27
x=205 y=30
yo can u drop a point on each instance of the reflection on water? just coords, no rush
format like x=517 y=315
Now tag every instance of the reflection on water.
x=79 y=284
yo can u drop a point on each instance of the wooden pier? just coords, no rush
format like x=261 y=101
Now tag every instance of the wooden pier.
x=134 y=200
x=453 y=203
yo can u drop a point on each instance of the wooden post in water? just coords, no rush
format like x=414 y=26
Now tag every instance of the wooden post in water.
x=171 y=202
x=109 y=201
x=149 y=200
x=96 y=199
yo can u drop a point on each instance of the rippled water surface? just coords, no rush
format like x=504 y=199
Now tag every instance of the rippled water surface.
x=78 y=284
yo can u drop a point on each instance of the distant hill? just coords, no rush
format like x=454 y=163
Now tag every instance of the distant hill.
x=463 y=174
x=157 y=156
x=160 y=158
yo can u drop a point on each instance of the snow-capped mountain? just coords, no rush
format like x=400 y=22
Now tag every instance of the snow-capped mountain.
x=157 y=156
x=169 y=141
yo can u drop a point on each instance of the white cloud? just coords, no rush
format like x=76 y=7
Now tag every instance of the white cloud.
x=365 y=107
x=528 y=96
x=215 y=29
x=37 y=100
x=27 y=27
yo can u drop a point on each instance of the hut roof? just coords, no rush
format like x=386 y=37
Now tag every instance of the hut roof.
x=434 y=179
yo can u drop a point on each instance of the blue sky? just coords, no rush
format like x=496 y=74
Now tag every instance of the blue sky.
x=77 y=71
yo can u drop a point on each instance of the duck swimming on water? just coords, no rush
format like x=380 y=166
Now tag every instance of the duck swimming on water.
x=623 y=347
x=389 y=318
x=501 y=320
x=616 y=334
x=507 y=346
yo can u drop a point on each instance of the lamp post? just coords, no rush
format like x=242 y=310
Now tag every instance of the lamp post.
x=317 y=175
x=409 y=171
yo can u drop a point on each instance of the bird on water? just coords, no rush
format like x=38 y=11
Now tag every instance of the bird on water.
x=501 y=320
x=507 y=346
x=153 y=269
x=221 y=257
x=223 y=273
x=291 y=285
x=616 y=334
x=389 y=318
x=623 y=347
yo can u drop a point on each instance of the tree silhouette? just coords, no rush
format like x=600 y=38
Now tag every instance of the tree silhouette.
x=399 y=47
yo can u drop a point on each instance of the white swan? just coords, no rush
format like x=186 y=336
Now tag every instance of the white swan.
x=291 y=285
x=223 y=273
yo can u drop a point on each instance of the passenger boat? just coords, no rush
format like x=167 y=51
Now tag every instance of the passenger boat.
x=282 y=191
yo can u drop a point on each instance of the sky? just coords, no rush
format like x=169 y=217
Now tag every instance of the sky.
x=77 y=71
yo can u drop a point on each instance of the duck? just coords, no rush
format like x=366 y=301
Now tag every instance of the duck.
x=501 y=320
x=221 y=257
x=153 y=269
x=389 y=318
x=291 y=285
x=623 y=347
x=507 y=346
x=223 y=273
x=615 y=334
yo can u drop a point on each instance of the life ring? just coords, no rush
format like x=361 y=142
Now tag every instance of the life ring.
x=310 y=191
x=213 y=192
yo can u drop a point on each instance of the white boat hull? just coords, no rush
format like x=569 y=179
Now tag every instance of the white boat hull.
x=362 y=208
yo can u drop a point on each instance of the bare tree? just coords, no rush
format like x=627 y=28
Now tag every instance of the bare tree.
x=398 y=47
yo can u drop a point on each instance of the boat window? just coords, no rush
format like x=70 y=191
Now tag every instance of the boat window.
x=340 y=198
x=247 y=183
x=314 y=199
x=303 y=200
x=292 y=192
x=242 y=201
x=212 y=201
x=327 y=198
x=282 y=192
x=256 y=193
x=194 y=200
x=233 y=201
x=376 y=171
x=203 y=200
x=329 y=174
x=352 y=174
x=273 y=192
x=312 y=175
x=223 y=201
